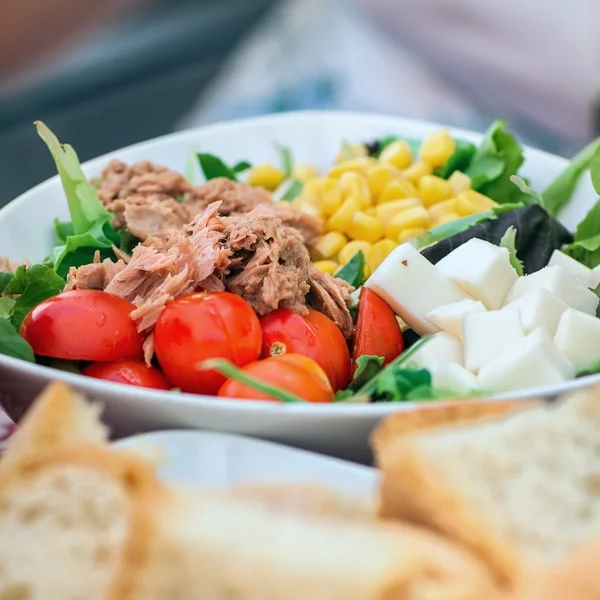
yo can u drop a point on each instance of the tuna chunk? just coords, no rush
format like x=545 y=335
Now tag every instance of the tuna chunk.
x=149 y=216
x=95 y=276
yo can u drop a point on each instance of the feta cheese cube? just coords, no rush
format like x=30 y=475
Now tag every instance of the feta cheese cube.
x=539 y=308
x=488 y=335
x=578 y=338
x=556 y=279
x=440 y=349
x=534 y=362
x=480 y=269
x=578 y=272
x=412 y=286
x=449 y=317
x=454 y=378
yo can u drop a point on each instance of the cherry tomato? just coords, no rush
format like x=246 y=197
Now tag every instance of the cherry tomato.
x=83 y=325
x=378 y=332
x=129 y=372
x=294 y=373
x=201 y=326
x=313 y=335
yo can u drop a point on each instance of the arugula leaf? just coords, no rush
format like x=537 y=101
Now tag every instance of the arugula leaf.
x=6 y=306
x=459 y=160
x=353 y=272
x=213 y=167
x=12 y=344
x=508 y=241
x=241 y=166
x=5 y=279
x=289 y=190
x=586 y=245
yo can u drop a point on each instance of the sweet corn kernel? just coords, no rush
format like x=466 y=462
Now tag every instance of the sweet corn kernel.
x=398 y=154
x=459 y=182
x=365 y=227
x=409 y=234
x=311 y=210
x=371 y=211
x=356 y=165
x=433 y=189
x=351 y=248
x=331 y=196
x=304 y=172
x=396 y=190
x=418 y=170
x=451 y=216
x=387 y=211
x=330 y=244
x=437 y=211
x=471 y=202
x=341 y=219
x=380 y=176
x=407 y=219
x=355 y=186
x=327 y=266
x=266 y=176
x=352 y=151
x=379 y=252
x=437 y=148
x=311 y=194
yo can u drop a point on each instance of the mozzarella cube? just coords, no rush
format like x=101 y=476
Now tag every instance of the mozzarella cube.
x=440 y=349
x=539 y=309
x=454 y=378
x=557 y=280
x=578 y=338
x=578 y=272
x=482 y=270
x=595 y=277
x=449 y=317
x=534 y=362
x=412 y=286
x=488 y=335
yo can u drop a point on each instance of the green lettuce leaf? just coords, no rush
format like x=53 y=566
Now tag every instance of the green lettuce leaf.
x=353 y=272
x=508 y=241
x=212 y=166
x=6 y=306
x=5 y=279
x=586 y=244
x=12 y=344
x=459 y=160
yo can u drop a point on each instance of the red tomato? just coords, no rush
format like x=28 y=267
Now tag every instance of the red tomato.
x=378 y=332
x=129 y=372
x=313 y=335
x=201 y=326
x=83 y=325
x=294 y=373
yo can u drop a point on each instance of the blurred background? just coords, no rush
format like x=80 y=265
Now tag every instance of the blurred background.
x=142 y=68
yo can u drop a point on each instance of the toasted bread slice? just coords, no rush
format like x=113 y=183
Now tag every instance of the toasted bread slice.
x=523 y=488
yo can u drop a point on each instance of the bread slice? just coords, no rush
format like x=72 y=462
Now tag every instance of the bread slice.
x=521 y=488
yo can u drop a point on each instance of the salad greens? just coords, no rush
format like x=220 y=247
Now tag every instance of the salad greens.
x=213 y=167
x=12 y=344
x=508 y=241
x=353 y=272
x=459 y=160
x=291 y=188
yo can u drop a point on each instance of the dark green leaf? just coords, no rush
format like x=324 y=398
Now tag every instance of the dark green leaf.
x=508 y=241
x=5 y=279
x=353 y=272
x=398 y=385
x=459 y=160
x=586 y=245
x=12 y=344
x=242 y=166
x=367 y=367
x=293 y=189
x=18 y=281
x=63 y=230
x=213 y=167
x=6 y=306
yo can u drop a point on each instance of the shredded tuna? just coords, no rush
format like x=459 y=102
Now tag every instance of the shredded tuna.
x=149 y=216
x=310 y=227
x=95 y=276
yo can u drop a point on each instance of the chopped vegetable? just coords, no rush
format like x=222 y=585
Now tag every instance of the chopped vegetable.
x=12 y=344
x=354 y=270
x=459 y=160
x=508 y=241
x=586 y=244
x=213 y=167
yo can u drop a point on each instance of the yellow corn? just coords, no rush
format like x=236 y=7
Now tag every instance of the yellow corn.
x=351 y=248
x=365 y=227
x=330 y=244
x=371 y=211
x=418 y=170
x=352 y=150
x=459 y=182
x=396 y=190
x=471 y=202
x=311 y=194
x=341 y=219
x=355 y=186
x=380 y=176
x=331 y=196
x=447 y=218
x=437 y=148
x=378 y=252
x=387 y=211
x=266 y=176
x=327 y=266
x=433 y=189
x=356 y=165
x=311 y=210
x=304 y=172
x=408 y=234
x=398 y=154
x=407 y=219
x=437 y=211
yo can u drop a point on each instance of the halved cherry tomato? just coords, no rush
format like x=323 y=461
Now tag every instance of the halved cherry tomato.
x=313 y=335
x=377 y=330
x=83 y=325
x=201 y=326
x=294 y=373
x=129 y=372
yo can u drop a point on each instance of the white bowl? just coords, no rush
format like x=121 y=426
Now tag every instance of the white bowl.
x=26 y=232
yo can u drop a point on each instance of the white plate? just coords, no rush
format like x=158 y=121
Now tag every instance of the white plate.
x=26 y=232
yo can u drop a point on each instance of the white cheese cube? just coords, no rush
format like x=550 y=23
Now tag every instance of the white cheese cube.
x=539 y=308
x=488 y=335
x=412 y=286
x=557 y=280
x=449 y=317
x=578 y=272
x=440 y=349
x=578 y=338
x=454 y=378
x=482 y=270
x=595 y=277
x=534 y=362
